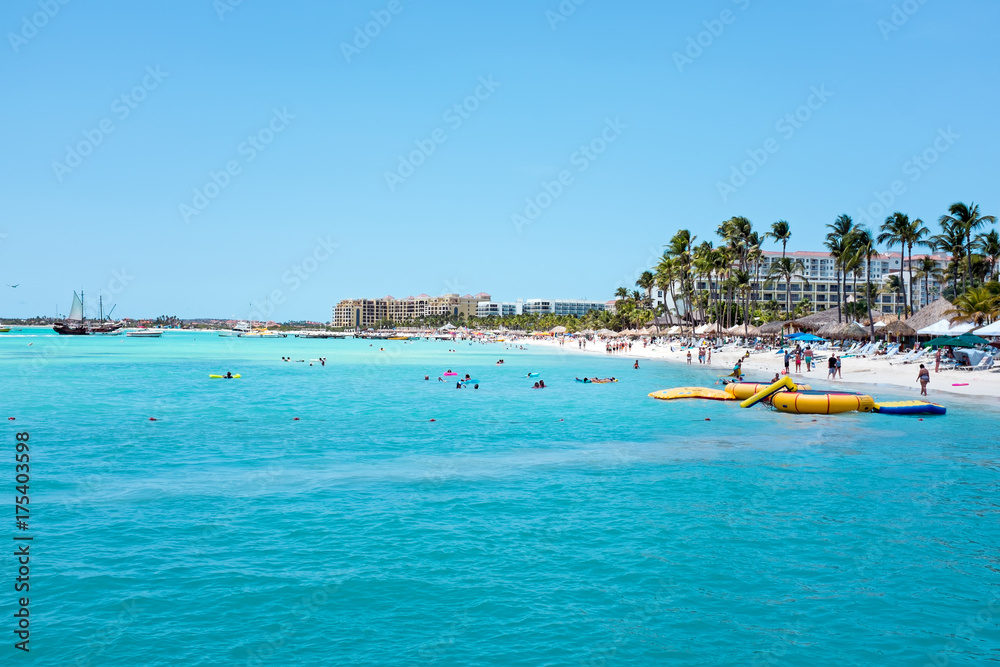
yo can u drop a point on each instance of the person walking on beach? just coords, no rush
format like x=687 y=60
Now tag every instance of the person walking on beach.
x=840 y=373
x=709 y=358
x=923 y=377
x=689 y=357
x=809 y=358
x=831 y=363
x=788 y=358
x=937 y=360
x=798 y=360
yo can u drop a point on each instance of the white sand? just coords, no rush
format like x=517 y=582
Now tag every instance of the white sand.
x=860 y=373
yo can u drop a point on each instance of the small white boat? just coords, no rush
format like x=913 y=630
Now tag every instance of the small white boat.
x=145 y=333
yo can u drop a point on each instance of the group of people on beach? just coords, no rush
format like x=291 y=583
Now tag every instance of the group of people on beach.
x=798 y=354
x=618 y=346
x=704 y=355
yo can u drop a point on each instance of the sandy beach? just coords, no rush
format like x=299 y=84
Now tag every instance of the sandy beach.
x=859 y=373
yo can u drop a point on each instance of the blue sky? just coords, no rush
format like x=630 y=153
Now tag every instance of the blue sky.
x=309 y=129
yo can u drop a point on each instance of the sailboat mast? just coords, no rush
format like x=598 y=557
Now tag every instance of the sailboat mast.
x=83 y=310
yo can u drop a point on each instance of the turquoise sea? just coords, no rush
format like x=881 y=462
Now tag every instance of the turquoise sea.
x=400 y=521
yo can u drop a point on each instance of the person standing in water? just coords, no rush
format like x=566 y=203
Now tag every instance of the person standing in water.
x=636 y=365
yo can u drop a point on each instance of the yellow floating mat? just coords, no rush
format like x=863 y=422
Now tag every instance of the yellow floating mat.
x=216 y=377
x=692 y=392
x=821 y=402
x=744 y=390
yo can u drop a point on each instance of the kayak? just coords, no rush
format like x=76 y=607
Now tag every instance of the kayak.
x=533 y=375
x=224 y=377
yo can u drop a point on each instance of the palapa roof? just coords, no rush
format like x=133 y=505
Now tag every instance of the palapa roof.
x=774 y=327
x=819 y=320
x=898 y=328
x=929 y=314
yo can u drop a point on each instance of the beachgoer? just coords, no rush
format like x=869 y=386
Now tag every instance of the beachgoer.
x=788 y=358
x=541 y=384
x=427 y=377
x=798 y=360
x=937 y=360
x=776 y=378
x=809 y=358
x=840 y=373
x=536 y=386
x=229 y=375
x=458 y=385
x=831 y=363
x=689 y=357
x=636 y=365
x=923 y=377
x=708 y=359
x=475 y=386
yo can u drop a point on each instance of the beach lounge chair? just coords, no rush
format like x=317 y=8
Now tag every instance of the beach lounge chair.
x=984 y=364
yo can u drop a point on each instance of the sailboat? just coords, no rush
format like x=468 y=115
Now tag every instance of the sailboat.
x=76 y=323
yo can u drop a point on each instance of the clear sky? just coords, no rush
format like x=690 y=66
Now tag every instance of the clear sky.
x=311 y=117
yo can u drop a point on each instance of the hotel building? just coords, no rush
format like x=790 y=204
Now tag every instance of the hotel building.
x=363 y=313
x=577 y=307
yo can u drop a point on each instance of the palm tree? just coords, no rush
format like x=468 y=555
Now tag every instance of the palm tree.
x=781 y=231
x=785 y=269
x=951 y=240
x=647 y=281
x=839 y=247
x=978 y=305
x=679 y=248
x=969 y=220
x=927 y=272
x=864 y=241
x=893 y=232
x=989 y=244
x=914 y=233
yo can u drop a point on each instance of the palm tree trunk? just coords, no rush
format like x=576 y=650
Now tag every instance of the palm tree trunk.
x=788 y=296
x=909 y=270
x=902 y=287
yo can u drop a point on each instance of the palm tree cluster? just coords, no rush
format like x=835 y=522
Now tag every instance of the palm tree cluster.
x=721 y=283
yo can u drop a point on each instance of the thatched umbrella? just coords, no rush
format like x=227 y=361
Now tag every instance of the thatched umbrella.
x=899 y=328
x=817 y=321
x=773 y=328
x=558 y=330
x=853 y=330
x=929 y=314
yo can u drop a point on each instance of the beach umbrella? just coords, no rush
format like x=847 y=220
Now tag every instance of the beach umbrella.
x=606 y=332
x=945 y=328
x=809 y=338
x=899 y=328
x=968 y=340
x=853 y=330
x=558 y=330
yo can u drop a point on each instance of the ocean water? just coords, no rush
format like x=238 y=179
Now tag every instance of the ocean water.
x=400 y=521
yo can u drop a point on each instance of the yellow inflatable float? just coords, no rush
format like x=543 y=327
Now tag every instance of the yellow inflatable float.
x=821 y=402
x=787 y=397
x=692 y=392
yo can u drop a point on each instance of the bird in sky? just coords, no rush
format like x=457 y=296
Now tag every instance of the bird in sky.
x=14 y=285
